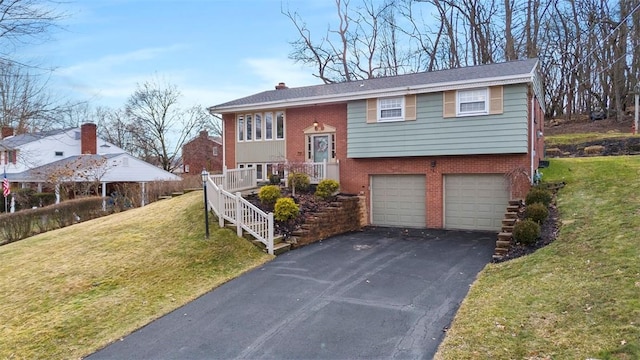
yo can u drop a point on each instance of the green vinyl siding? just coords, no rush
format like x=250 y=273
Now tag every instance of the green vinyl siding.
x=432 y=135
x=260 y=151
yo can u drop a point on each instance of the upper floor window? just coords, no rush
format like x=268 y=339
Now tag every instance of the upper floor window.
x=391 y=109
x=11 y=157
x=215 y=151
x=268 y=126
x=258 y=121
x=249 y=127
x=280 y=125
x=260 y=126
x=240 y=128
x=472 y=102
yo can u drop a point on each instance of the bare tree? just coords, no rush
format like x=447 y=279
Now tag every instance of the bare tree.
x=161 y=126
x=24 y=22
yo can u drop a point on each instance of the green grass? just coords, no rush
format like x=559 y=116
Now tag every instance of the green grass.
x=574 y=139
x=577 y=298
x=69 y=292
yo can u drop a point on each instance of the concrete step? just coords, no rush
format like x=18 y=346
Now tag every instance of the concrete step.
x=507 y=228
x=509 y=222
x=515 y=202
x=504 y=236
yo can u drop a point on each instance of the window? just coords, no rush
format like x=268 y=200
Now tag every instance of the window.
x=12 y=157
x=249 y=127
x=258 y=119
x=59 y=153
x=259 y=172
x=268 y=126
x=240 y=128
x=472 y=102
x=261 y=126
x=215 y=151
x=391 y=109
x=186 y=168
x=280 y=125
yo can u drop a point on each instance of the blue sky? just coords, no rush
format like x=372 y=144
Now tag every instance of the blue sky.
x=213 y=50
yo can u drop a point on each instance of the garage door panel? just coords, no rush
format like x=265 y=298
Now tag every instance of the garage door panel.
x=398 y=200
x=475 y=201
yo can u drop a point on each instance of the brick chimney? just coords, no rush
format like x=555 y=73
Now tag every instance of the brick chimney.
x=6 y=132
x=204 y=134
x=281 y=86
x=88 y=139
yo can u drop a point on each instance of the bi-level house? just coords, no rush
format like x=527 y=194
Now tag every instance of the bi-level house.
x=441 y=149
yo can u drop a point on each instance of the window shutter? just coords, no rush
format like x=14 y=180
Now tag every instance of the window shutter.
x=307 y=146
x=495 y=100
x=372 y=111
x=410 y=107
x=449 y=104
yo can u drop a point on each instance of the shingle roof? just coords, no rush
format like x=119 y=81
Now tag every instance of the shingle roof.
x=18 y=140
x=471 y=74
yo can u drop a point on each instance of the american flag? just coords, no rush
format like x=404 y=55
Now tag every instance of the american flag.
x=6 y=188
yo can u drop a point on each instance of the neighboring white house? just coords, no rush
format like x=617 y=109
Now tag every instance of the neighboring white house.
x=34 y=157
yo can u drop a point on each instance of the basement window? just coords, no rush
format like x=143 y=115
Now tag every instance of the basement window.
x=59 y=153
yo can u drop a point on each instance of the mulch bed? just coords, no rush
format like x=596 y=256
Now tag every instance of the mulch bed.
x=309 y=204
x=548 y=233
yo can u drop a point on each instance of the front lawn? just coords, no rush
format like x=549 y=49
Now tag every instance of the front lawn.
x=577 y=298
x=69 y=292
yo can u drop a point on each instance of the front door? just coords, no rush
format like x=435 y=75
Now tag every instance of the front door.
x=320 y=148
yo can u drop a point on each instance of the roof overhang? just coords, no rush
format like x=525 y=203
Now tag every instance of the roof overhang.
x=364 y=94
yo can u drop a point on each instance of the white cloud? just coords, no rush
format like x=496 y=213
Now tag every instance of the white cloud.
x=271 y=71
x=107 y=63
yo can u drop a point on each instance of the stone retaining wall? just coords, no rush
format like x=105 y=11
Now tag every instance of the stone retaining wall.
x=343 y=215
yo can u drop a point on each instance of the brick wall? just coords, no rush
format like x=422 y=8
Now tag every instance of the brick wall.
x=197 y=154
x=229 y=121
x=301 y=118
x=355 y=175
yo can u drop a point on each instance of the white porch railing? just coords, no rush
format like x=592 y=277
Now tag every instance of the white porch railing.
x=236 y=179
x=238 y=211
x=318 y=171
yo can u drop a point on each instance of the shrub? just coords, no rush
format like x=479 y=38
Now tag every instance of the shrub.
x=537 y=212
x=538 y=195
x=269 y=194
x=285 y=209
x=526 y=232
x=274 y=179
x=298 y=181
x=326 y=188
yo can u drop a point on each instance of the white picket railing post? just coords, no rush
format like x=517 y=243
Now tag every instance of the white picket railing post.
x=270 y=235
x=238 y=215
x=220 y=206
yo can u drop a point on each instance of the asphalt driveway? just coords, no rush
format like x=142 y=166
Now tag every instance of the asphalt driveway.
x=380 y=293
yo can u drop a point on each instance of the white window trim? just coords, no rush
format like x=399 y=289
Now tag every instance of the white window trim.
x=391 y=119
x=472 y=113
